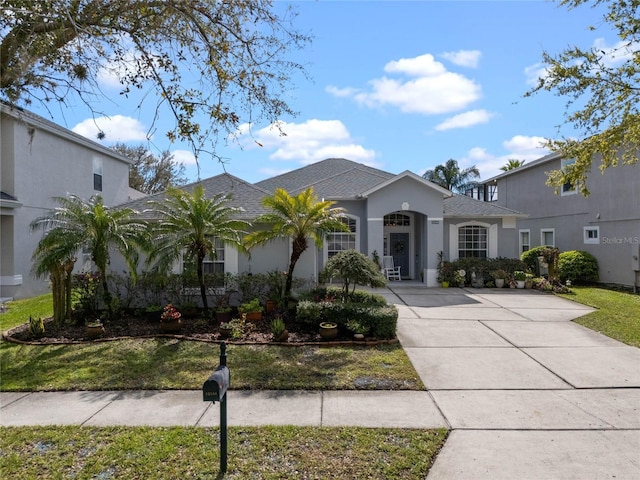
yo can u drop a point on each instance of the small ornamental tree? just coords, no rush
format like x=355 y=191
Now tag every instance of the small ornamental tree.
x=353 y=268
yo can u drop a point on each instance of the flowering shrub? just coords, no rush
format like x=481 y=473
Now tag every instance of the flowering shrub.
x=170 y=313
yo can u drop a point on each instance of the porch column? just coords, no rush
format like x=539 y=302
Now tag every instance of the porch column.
x=434 y=233
x=375 y=236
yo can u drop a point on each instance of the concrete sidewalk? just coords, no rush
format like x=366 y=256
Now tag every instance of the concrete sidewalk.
x=527 y=393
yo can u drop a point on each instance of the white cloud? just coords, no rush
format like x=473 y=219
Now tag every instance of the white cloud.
x=430 y=90
x=421 y=66
x=535 y=72
x=184 y=157
x=306 y=142
x=117 y=128
x=466 y=119
x=518 y=147
x=615 y=55
x=464 y=58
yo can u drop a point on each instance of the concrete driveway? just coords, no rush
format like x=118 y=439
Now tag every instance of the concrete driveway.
x=527 y=393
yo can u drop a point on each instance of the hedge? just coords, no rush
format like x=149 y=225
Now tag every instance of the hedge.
x=577 y=266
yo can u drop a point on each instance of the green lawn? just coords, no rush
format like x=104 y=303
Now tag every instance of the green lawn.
x=618 y=314
x=169 y=453
x=173 y=364
x=19 y=311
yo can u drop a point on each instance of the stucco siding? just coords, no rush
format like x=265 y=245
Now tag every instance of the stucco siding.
x=613 y=206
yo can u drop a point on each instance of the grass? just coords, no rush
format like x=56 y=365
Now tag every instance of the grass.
x=260 y=452
x=618 y=314
x=19 y=311
x=171 y=364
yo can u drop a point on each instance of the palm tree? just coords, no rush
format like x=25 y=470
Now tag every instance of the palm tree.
x=451 y=177
x=188 y=224
x=91 y=225
x=512 y=164
x=55 y=256
x=297 y=217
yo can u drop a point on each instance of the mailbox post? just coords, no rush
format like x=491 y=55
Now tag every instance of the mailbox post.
x=215 y=388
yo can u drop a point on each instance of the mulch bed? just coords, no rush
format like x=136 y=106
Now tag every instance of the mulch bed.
x=192 y=329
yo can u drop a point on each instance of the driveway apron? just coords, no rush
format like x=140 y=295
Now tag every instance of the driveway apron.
x=528 y=393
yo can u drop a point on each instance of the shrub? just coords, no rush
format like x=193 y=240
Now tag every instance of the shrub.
x=36 y=327
x=577 y=266
x=353 y=268
x=380 y=321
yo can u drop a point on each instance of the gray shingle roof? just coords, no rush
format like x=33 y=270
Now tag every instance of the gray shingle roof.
x=243 y=195
x=330 y=178
x=464 y=206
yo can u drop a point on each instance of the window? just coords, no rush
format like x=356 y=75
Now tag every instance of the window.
x=397 y=220
x=548 y=237
x=97 y=174
x=568 y=188
x=591 y=235
x=214 y=263
x=338 y=241
x=491 y=193
x=472 y=241
x=525 y=240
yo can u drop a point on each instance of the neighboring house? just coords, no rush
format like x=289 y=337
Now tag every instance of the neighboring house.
x=606 y=223
x=401 y=215
x=40 y=160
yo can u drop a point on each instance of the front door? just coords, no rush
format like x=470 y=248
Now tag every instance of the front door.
x=399 y=249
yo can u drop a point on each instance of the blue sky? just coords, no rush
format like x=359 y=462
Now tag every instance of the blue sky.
x=395 y=85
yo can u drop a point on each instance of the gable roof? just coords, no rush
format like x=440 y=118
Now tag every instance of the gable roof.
x=331 y=178
x=243 y=195
x=405 y=174
x=464 y=206
x=526 y=166
x=22 y=115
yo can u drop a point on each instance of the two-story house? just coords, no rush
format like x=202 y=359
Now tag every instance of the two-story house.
x=606 y=223
x=40 y=160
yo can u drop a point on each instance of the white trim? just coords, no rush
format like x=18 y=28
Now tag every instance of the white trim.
x=563 y=163
x=585 y=236
x=11 y=280
x=325 y=244
x=407 y=173
x=375 y=219
x=520 y=244
x=547 y=230
x=388 y=230
x=492 y=238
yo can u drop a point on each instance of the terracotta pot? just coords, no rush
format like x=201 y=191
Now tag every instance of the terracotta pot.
x=95 y=331
x=283 y=337
x=171 y=326
x=271 y=305
x=254 y=316
x=328 y=331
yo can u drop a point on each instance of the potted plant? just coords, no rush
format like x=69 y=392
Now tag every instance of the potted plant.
x=252 y=310
x=223 y=313
x=279 y=330
x=445 y=271
x=359 y=330
x=519 y=276
x=459 y=277
x=94 y=328
x=189 y=309
x=528 y=282
x=153 y=312
x=328 y=330
x=171 y=319
x=499 y=277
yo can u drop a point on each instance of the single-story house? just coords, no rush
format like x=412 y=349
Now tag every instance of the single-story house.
x=401 y=215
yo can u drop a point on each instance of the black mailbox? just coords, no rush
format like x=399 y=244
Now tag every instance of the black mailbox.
x=216 y=385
